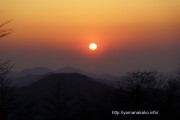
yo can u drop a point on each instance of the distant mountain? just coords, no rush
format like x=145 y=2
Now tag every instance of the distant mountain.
x=72 y=70
x=26 y=80
x=32 y=71
x=73 y=84
x=31 y=75
x=103 y=78
x=69 y=70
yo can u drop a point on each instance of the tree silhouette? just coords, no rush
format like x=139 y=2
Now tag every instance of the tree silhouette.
x=172 y=88
x=5 y=88
x=55 y=107
x=8 y=103
x=5 y=69
x=5 y=32
x=26 y=111
x=142 y=86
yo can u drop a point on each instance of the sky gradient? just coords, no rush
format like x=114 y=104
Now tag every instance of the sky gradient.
x=130 y=34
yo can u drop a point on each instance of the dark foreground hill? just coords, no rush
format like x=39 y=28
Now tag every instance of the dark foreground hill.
x=74 y=96
x=70 y=83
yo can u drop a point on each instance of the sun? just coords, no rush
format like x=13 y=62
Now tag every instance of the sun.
x=93 y=46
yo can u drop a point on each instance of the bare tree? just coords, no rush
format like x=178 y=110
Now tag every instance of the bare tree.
x=143 y=86
x=5 y=68
x=5 y=88
x=55 y=108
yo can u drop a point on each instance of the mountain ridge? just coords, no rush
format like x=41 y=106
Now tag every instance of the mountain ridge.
x=37 y=72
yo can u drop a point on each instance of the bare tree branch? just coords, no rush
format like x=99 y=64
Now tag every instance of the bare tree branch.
x=5 y=69
x=5 y=23
x=5 y=32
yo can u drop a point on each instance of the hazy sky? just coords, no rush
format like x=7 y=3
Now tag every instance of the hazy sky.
x=131 y=34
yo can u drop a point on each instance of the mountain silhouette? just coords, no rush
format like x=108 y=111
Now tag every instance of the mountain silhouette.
x=28 y=76
x=69 y=69
x=32 y=71
x=108 y=79
x=74 y=84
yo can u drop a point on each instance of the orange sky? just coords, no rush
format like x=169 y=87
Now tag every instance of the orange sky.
x=115 y=25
